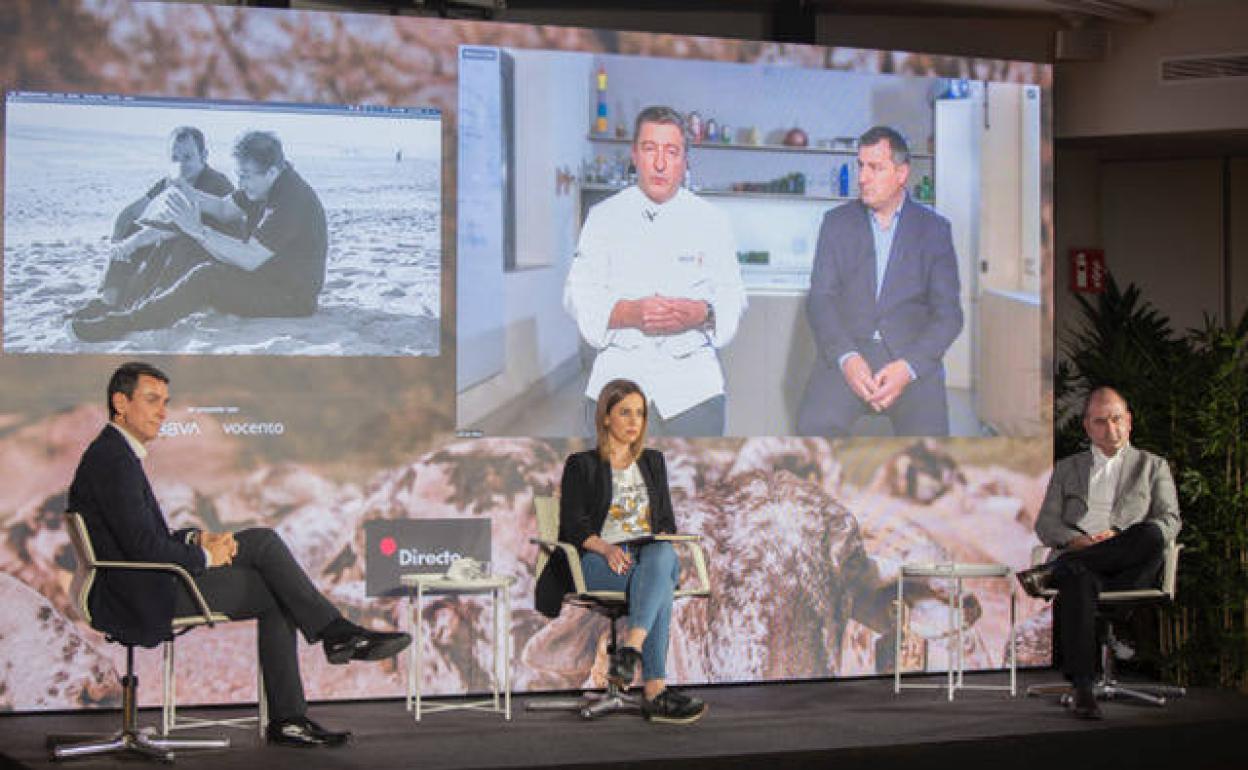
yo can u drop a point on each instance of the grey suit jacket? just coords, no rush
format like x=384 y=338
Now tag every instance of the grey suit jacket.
x=1145 y=493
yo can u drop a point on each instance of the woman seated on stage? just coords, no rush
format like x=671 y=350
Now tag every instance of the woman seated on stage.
x=614 y=500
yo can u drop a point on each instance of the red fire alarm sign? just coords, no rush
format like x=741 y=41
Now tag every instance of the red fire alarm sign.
x=1087 y=271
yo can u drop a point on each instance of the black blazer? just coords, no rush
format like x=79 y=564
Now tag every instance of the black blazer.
x=584 y=501
x=111 y=492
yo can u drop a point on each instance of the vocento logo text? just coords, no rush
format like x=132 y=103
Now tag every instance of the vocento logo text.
x=253 y=428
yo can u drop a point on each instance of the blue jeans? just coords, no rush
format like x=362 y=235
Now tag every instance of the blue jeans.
x=649 y=584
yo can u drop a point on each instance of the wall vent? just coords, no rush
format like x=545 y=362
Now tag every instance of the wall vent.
x=1183 y=69
x=1081 y=44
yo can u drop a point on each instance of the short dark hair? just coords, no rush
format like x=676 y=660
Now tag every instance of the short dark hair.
x=126 y=378
x=611 y=394
x=192 y=133
x=897 y=146
x=262 y=148
x=658 y=113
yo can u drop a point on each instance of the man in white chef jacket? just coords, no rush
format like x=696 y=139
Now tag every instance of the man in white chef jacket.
x=655 y=286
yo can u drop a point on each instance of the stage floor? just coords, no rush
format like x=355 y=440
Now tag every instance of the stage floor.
x=841 y=724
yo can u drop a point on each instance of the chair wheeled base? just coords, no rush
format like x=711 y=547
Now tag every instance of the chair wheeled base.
x=592 y=705
x=145 y=743
x=1154 y=694
x=1108 y=687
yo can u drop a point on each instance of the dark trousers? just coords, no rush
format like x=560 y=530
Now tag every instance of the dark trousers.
x=1132 y=559
x=830 y=408
x=179 y=278
x=151 y=271
x=267 y=584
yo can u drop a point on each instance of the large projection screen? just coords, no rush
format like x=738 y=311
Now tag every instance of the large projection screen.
x=426 y=394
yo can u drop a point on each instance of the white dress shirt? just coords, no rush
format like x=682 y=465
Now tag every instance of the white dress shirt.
x=136 y=446
x=1102 y=488
x=631 y=248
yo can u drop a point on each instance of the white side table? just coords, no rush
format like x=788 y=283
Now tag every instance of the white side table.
x=957 y=572
x=498 y=589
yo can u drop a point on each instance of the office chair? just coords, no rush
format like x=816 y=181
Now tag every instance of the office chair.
x=612 y=605
x=1107 y=686
x=130 y=739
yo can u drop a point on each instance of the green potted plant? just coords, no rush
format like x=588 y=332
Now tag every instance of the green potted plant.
x=1189 y=398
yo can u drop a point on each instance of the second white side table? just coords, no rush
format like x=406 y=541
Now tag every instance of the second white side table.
x=498 y=587
x=957 y=572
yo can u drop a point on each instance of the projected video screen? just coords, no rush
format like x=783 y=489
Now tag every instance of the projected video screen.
x=551 y=196
x=350 y=221
x=407 y=399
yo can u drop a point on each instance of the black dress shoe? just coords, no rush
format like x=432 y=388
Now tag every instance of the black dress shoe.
x=303 y=733
x=363 y=644
x=622 y=669
x=1036 y=581
x=331 y=737
x=1084 y=705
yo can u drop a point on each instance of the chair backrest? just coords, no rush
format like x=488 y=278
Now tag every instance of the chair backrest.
x=84 y=569
x=547 y=510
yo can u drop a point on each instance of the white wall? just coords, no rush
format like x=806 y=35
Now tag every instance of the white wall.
x=1163 y=230
x=1123 y=95
x=1076 y=225
x=538 y=335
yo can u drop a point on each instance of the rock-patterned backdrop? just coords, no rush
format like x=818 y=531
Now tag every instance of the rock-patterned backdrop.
x=804 y=537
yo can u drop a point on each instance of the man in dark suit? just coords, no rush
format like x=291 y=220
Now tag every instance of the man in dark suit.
x=248 y=574
x=1108 y=514
x=883 y=304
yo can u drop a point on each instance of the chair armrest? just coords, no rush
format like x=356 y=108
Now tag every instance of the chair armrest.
x=205 y=611
x=1170 y=569
x=694 y=544
x=574 y=560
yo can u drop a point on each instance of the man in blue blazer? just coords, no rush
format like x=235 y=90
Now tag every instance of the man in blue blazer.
x=883 y=305
x=248 y=574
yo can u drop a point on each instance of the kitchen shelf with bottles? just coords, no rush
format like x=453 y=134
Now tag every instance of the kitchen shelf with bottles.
x=598 y=185
x=845 y=151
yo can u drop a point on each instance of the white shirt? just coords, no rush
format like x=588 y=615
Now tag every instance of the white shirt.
x=630 y=248
x=628 y=518
x=1102 y=487
x=136 y=446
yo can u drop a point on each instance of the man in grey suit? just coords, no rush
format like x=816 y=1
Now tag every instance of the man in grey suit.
x=1108 y=514
x=883 y=304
